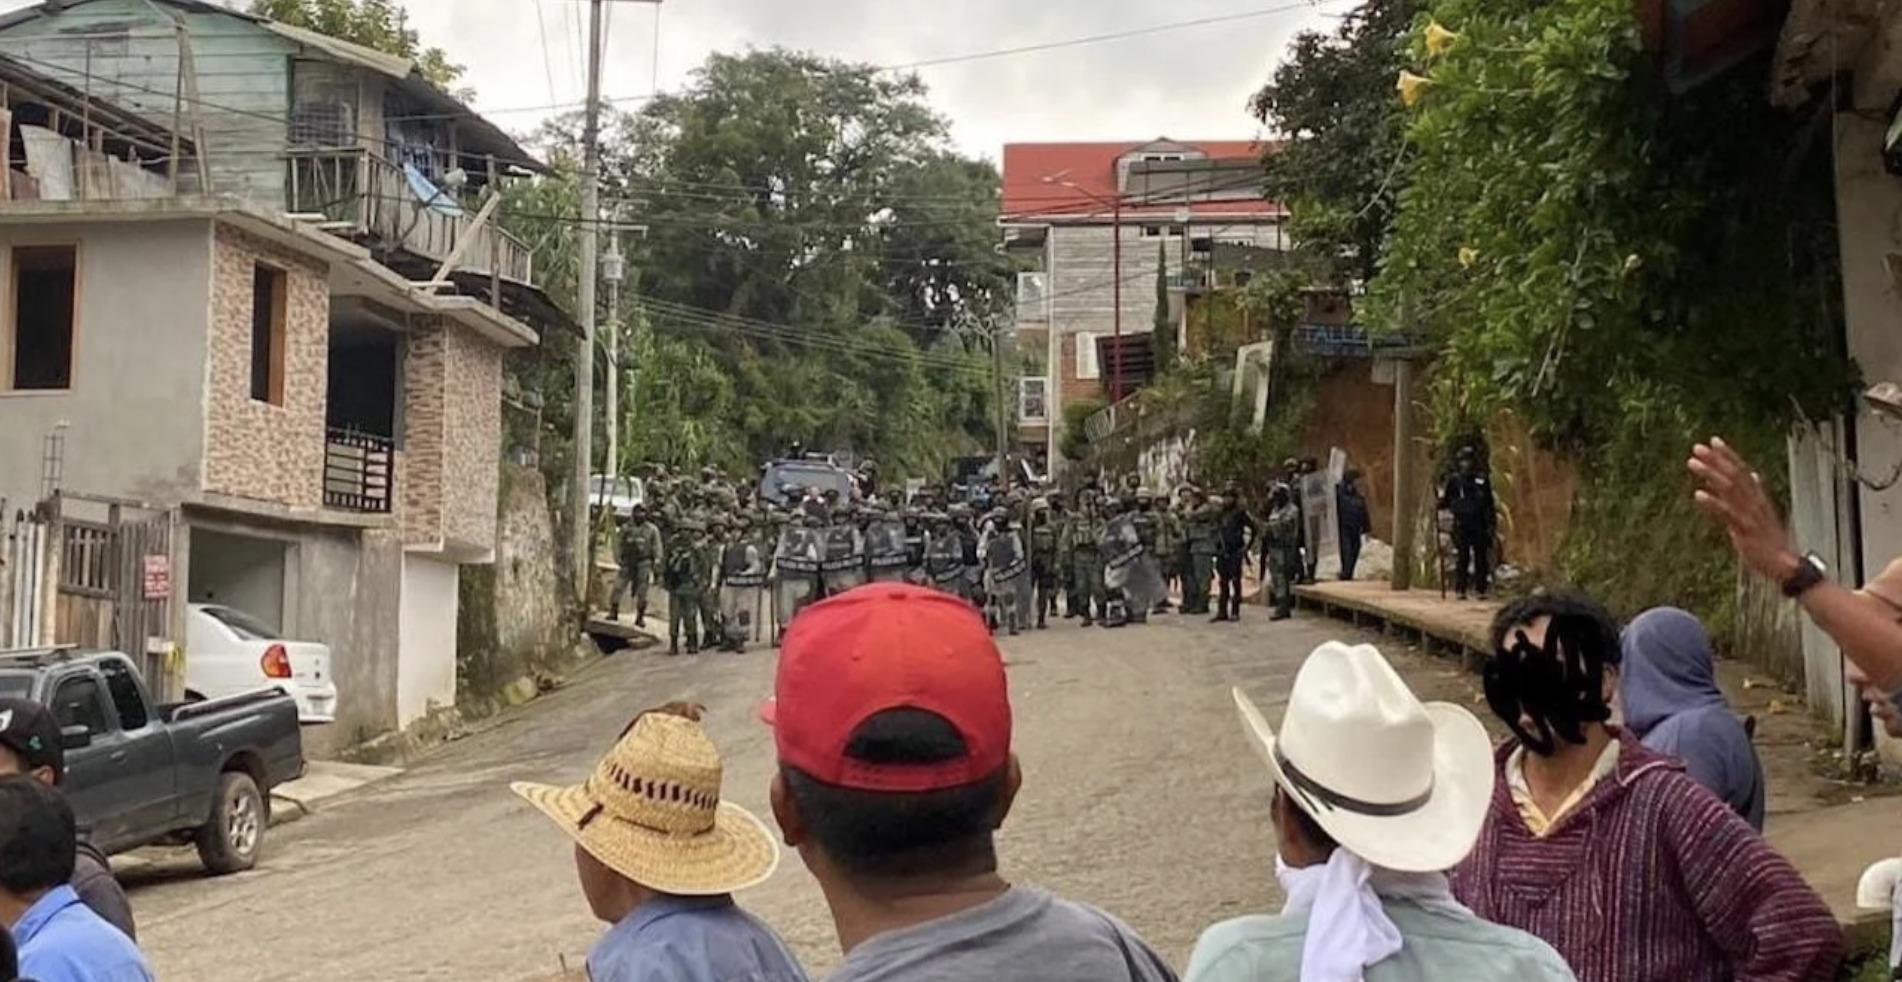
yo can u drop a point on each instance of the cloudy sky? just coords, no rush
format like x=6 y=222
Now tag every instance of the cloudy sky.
x=1191 y=82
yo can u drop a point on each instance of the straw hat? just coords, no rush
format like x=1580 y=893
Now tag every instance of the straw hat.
x=1400 y=783
x=652 y=812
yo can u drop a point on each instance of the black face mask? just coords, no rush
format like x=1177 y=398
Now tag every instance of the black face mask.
x=1559 y=687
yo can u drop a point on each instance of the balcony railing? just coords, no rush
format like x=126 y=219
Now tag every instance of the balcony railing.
x=359 y=471
x=375 y=197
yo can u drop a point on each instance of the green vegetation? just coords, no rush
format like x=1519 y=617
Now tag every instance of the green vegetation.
x=1624 y=269
x=817 y=266
x=379 y=24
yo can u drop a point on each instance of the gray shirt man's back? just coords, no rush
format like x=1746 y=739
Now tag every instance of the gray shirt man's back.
x=1023 y=935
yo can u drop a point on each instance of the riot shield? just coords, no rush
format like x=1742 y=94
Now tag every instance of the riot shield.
x=742 y=577
x=795 y=573
x=944 y=562
x=1006 y=578
x=888 y=555
x=844 y=564
x=1129 y=568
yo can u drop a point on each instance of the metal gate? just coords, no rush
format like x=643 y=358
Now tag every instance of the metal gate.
x=112 y=566
x=24 y=588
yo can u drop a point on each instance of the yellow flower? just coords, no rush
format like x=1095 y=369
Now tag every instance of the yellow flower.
x=1439 y=39
x=1468 y=256
x=1410 y=86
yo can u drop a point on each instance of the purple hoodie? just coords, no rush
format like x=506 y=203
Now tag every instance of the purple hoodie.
x=1668 y=684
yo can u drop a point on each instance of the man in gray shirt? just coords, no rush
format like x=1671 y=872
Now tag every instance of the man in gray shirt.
x=891 y=716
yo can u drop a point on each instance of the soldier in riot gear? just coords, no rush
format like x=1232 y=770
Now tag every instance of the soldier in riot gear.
x=640 y=549
x=1043 y=533
x=887 y=553
x=796 y=568
x=1281 y=548
x=1199 y=531
x=1006 y=572
x=844 y=564
x=1085 y=546
x=944 y=554
x=1235 y=532
x=742 y=574
x=686 y=577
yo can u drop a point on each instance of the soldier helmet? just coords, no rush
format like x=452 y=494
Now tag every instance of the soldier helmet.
x=1039 y=504
x=640 y=508
x=1144 y=494
x=692 y=525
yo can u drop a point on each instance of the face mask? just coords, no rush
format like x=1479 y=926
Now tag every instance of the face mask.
x=1558 y=688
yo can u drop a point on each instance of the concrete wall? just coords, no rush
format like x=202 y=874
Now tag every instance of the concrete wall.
x=342 y=588
x=512 y=621
x=135 y=411
x=1869 y=215
x=256 y=450
x=242 y=572
x=426 y=632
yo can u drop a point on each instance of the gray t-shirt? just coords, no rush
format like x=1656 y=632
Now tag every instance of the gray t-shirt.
x=1024 y=935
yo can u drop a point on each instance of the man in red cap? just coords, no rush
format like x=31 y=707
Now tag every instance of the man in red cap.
x=892 y=719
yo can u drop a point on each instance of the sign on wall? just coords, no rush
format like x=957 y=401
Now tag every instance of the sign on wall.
x=158 y=577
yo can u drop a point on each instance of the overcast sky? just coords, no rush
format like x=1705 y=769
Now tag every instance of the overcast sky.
x=1192 y=82
x=1188 y=83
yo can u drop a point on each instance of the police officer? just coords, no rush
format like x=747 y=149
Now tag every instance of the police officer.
x=1469 y=496
x=1234 y=533
x=639 y=551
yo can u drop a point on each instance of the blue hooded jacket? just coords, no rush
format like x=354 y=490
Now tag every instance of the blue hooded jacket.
x=1668 y=687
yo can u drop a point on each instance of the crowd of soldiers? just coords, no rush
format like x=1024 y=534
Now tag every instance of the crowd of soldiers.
x=738 y=566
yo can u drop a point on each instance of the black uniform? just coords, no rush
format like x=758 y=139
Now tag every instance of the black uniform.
x=1234 y=533
x=1469 y=496
x=1355 y=524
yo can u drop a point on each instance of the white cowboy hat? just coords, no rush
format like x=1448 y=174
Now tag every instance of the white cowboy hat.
x=652 y=812
x=1876 y=889
x=1400 y=783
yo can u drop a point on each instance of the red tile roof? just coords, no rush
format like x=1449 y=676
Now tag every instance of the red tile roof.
x=1032 y=172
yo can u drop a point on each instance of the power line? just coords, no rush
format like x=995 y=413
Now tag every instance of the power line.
x=1113 y=36
x=548 y=58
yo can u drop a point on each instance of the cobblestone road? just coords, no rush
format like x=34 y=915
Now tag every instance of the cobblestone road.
x=1140 y=795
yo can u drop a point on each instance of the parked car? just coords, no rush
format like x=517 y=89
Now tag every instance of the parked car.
x=228 y=652
x=620 y=496
x=138 y=773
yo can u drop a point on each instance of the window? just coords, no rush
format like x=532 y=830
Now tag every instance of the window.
x=1158 y=158
x=126 y=695
x=267 y=334
x=1086 y=367
x=1033 y=296
x=1032 y=404
x=246 y=627
x=79 y=702
x=44 y=278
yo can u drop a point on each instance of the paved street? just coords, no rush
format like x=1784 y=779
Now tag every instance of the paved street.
x=1140 y=795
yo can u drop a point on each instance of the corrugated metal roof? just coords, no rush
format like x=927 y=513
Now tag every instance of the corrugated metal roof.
x=480 y=136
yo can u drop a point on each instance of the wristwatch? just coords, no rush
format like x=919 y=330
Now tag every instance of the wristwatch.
x=1810 y=572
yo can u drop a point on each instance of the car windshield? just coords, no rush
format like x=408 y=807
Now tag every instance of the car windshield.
x=818 y=476
x=242 y=624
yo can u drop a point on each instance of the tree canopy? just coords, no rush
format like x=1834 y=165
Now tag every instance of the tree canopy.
x=817 y=264
x=379 y=24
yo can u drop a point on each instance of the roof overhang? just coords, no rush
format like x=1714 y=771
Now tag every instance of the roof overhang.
x=353 y=272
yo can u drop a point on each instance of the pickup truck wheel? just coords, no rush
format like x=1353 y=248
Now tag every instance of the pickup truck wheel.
x=233 y=835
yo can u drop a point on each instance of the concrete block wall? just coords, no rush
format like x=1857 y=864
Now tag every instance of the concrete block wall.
x=447 y=475
x=419 y=470
x=253 y=449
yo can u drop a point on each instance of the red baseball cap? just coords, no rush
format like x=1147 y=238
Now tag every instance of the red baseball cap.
x=885 y=647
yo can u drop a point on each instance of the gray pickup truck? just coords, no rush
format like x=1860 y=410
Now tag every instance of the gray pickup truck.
x=139 y=773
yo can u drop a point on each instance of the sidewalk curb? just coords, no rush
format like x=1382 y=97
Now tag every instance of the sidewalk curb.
x=322 y=782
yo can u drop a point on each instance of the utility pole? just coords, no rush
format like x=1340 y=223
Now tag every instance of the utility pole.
x=613 y=269
x=1116 y=357
x=583 y=530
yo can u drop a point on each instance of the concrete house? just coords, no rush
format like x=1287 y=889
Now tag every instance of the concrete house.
x=1094 y=220
x=294 y=346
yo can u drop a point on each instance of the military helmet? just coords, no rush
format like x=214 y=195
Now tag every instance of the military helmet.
x=691 y=524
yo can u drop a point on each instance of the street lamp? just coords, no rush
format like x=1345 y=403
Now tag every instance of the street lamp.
x=1116 y=251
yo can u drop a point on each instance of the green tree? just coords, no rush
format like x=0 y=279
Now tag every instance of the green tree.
x=1162 y=339
x=1338 y=159
x=818 y=265
x=379 y=24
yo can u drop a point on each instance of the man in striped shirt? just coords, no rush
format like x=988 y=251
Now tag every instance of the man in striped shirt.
x=1611 y=853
